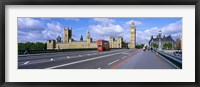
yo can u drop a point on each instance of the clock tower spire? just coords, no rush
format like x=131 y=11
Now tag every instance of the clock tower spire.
x=132 y=35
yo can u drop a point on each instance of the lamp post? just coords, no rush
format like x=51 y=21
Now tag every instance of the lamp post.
x=159 y=43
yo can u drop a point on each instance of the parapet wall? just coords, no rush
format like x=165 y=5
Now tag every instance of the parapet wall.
x=75 y=45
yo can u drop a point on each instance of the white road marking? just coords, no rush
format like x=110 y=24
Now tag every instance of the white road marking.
x=26 y=62
x=88 y=54
x=38 y=62
x=125 y=53
x=113 y=62
x=68 y=57
x=80 y=55
x=99 y=68
x=51 y=59
x=123 y=57
x=82 y=61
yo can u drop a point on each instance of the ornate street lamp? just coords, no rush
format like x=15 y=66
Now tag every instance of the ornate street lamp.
x=159 y=43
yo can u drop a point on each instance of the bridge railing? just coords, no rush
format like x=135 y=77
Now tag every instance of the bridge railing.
x=173 y=59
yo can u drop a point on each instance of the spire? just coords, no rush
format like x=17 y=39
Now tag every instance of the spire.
x=170 y=36
x=88 y=32
x=132 y=24
x=151 y=36
x=81 y=39
x=159 y=32
x=88 y=35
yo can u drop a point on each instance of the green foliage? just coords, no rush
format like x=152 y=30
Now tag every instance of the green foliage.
x=154 y=45
x=139 y=46
x=167 y=46
x=32 y=46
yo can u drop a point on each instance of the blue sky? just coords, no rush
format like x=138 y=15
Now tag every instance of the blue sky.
x=44 y=29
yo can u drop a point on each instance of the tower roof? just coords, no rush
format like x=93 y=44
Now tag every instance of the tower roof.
x=68 y=28
x=88 y=33
x=168 y=38
x=132 y=23
x=159 y=32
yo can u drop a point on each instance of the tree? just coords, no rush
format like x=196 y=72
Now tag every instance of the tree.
x=139 y=46
x=154 y=45
x=32 y=46
x=167 y=46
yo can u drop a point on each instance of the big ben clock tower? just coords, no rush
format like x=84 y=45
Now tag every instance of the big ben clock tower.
x=132 y=35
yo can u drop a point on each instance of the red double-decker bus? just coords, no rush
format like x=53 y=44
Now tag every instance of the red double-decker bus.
x=103 y=45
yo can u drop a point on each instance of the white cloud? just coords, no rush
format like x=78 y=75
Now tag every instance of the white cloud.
x=29 y=30
x=55 y=27
x=29 y=24
x=104 y=20
x=30 y=36
x=105 y=28
x=32 y=30
x=53 y=30
x=137 y=23
x=173 y=29
x=74 y=19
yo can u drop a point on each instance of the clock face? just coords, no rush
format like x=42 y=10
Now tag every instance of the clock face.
x=132 y=30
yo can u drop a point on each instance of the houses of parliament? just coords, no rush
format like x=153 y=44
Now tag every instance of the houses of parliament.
x=69 y=43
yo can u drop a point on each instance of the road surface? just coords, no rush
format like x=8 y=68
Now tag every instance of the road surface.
x=92 y=59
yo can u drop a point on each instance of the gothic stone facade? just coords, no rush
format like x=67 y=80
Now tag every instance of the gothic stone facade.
x=69 y=43
x=164 y=40
x=179 y=44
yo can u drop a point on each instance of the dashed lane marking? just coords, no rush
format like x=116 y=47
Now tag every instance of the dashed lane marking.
x=129 y=55
x=125 y=53
x=82 y=61
x=123 y=57
x=113 y=62
x=32 y=62
x=26 y=62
